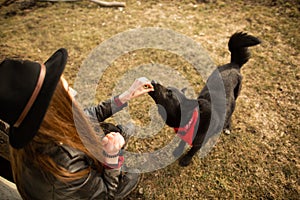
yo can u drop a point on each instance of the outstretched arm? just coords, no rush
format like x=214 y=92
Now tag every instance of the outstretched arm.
x=107 y=108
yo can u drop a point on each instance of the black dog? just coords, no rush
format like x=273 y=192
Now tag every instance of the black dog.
x=191 y=118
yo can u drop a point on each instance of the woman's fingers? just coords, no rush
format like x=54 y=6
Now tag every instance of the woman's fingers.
x=105 y=140
x=113 y=142
x=141 y=86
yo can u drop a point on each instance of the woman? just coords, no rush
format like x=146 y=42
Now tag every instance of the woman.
x=55 y=152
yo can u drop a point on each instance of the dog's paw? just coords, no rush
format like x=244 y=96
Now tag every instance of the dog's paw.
x=185 y=161
x=227 y=131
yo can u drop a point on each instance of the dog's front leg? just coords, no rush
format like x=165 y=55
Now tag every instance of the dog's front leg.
x=186 y=159
x=179 y=150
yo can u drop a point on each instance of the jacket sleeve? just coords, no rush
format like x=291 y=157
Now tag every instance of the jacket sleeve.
x=96 y=185
x=105 y=109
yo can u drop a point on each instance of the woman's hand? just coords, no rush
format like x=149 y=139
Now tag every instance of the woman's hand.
x=112 y=143
x=140 y=86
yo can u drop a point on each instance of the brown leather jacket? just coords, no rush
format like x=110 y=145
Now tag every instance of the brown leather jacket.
x=39 y=184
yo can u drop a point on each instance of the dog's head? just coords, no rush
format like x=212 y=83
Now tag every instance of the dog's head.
x=173 y=105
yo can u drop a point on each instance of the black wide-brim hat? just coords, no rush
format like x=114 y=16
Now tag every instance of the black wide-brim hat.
x=18 y=81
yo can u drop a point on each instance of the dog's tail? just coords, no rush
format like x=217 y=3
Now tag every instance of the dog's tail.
x=238 y=46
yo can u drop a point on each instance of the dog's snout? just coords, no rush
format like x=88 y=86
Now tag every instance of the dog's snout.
x=154 y=84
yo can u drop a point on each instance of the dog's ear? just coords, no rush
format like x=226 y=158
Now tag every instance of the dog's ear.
x=205 y=106
x=183 y=90
x=187 y=109
x=189 y=104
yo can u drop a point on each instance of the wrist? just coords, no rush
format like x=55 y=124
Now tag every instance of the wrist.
x=112 y=160
x=124 y=97
x=111 y=154
x=116 y=164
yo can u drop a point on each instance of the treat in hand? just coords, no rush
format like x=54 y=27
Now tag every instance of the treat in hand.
x=139 y=87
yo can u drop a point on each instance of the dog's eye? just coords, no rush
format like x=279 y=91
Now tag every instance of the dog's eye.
x=169 y=93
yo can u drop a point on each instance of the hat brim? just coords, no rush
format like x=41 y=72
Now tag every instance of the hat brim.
x=55 y=65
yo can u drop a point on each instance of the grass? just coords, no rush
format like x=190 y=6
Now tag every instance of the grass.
x=260 y=158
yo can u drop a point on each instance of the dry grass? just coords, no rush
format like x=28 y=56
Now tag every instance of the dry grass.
x=260 y=159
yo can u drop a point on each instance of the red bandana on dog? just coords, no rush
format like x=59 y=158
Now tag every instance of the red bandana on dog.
x=187 y=133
